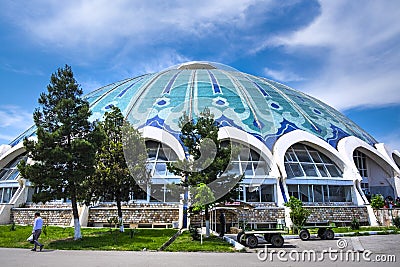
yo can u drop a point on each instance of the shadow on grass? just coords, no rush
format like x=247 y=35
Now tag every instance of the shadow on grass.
x=149 y=239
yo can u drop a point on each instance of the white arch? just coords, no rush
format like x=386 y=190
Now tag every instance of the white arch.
x=396 y=153
x=347 y=145
x=157 y=134
x=229 y=132
x=297 y=136
x=11 y=154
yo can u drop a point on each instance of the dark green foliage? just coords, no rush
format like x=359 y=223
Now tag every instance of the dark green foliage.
x=377 y=201
x=66 y=142
x=396 y=221
x=194 y=232
x=12 y=228
x=113 y=178
x=355 y=224
x=298 y=214
x=207 y=163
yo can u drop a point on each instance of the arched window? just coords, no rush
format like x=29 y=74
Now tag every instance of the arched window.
x=248 y=162
x=11 y=172
x=158 y=156
x=304 y=161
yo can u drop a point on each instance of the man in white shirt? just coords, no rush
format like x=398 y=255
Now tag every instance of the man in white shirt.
x=37 y=230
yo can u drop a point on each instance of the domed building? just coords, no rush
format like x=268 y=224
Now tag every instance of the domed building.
x=299 y=146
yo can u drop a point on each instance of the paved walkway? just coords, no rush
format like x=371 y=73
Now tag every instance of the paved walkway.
x=378 y=245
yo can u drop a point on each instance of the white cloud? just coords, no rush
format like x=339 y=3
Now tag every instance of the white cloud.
x=13 y=119
x=101 y=23
x=282 y=75
x=358 y=42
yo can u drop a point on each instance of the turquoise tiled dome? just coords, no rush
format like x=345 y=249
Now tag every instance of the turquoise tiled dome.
x=261 y=107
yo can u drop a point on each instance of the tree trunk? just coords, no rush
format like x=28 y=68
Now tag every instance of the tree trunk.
x=77 y=226
x=119 y=210
x=207 y=215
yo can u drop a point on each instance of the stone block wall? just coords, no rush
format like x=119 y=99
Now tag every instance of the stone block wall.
x=51 y=216
x=136 y=214
x=261 y=216
x=340 y=215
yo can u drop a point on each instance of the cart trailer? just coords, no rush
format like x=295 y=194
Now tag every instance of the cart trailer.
x=272 y=236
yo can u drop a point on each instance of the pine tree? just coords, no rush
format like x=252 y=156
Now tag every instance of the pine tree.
x=66 y=144
x=205 y=169
x=117 y=173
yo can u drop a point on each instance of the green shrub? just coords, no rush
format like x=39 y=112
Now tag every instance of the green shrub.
x=396 y=222
x=355 y=224
x=298 y=214
x=377 y=201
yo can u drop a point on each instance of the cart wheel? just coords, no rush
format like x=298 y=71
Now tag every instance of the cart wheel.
x=329 y=234
x=277 y=240
x=321 y=233
x=304 y=235
x=267 y=237
x=252 y=241
x=240 y=238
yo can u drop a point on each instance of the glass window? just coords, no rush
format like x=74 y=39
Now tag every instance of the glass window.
x=293 y=190
x=321 y=193
x=309 y=169
x=253 y=193
x=249 y=162
x=10 y=171
x=322 y=170
x=360 y=160
x=161 y=168
x=157 y=193
x=296 y=169
x=334 y=171
x=267 y=193
x=318 y=193
x=304 y=194
x=302 y=160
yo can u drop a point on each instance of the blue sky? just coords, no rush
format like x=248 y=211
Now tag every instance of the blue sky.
x=346 y=53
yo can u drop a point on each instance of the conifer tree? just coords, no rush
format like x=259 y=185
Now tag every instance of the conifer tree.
x=205 y=170
x=64 y=151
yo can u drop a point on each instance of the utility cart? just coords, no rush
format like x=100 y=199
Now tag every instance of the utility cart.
x=271 y=235
x=324 y=231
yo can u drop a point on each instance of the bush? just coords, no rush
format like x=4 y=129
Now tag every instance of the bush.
x=355 y=224
x=396 y=222
x=377 y=201
x=298 y=214
x=194 y=232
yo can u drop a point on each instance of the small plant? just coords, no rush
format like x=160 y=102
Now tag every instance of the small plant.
x=298 y=214
x=194 y=232
x=13 y=228
x=355 y=224
x=377 y=201
x=396 y=222
x=44 y=230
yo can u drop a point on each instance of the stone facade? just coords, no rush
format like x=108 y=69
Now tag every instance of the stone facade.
x=341 y=215
x=263 y=215
x=136 y=215
x=51 y=216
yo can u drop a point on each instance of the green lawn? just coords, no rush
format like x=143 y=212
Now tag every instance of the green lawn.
x=185 y=243
x=54 y=237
